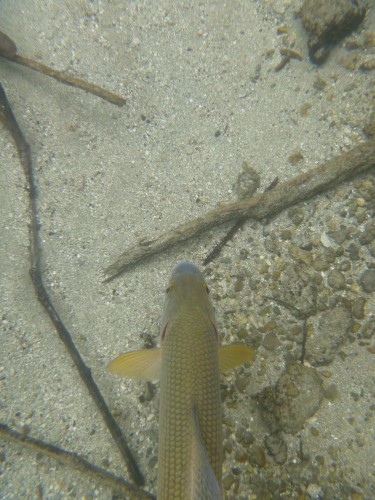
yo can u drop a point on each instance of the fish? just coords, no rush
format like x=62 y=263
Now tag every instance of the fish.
x=188 y=365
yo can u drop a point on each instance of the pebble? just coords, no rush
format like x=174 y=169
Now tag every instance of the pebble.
x=319 y=264
x=358 y=308
x=330 y=255
x=272 y=245
x=368 y=234
x=340 y=236
x=357 y=496
x=336 y=280
x=296 y=215
x=286 y=234
x=271 y=342
x=371 y=249
x=296 y=288
x=248 y=181
x=257 y=456
x=228 y=480
x=295 y=398
x=353 y=252
x=331 y=393
x=314 y=491
x=244 y=436
x=300 y=254
x=325 y=240
x=333 y=328
x=240 y=455
x=345 y=265
x=295 y=157
x=276 y=448
x=241 y=382
x=368 y=329
x=367 y=280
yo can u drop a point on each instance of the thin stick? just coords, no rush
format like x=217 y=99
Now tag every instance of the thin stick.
x=299 y=188
x=8 y=50
x=232 y=231
x=76 y=461
x=73 y=81
x=227 y=237
x=8 y=119
x=304 y=340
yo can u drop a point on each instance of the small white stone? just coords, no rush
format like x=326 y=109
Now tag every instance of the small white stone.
x=326 y=242
x=314 y=491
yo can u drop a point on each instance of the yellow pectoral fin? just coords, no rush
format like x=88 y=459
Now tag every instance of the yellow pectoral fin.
x=140 y=365
x=234 y=355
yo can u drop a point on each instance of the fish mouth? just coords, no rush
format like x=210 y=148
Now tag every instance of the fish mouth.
x=186 y=268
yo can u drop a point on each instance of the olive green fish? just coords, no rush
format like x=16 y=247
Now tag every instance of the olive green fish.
x=188 y=364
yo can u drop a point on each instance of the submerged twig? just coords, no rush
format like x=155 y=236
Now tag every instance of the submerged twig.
x=8 y=50
x=304 y=340
x=79 y=463
x=299 y=188
x=297 y=313
x=232 y=231
x=23 y=148
x=227 y=237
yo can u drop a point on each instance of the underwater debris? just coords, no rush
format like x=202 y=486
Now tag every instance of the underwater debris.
x=328 y=22
x=8 y=119
x=8 y=49
x=334 y=327
x=79 y=463
x=260 y=207
x=296 y=396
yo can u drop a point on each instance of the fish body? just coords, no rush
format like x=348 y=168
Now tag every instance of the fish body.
x=190 y=404
x=188 y=364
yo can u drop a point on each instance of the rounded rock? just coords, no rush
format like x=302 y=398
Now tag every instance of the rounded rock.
x=336 y=280
x=367 y=280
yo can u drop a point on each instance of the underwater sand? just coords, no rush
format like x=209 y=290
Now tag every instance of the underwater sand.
x=202 y=98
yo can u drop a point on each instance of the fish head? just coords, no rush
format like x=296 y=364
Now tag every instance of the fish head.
x=187 y=290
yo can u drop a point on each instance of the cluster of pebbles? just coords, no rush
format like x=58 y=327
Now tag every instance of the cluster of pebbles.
x=302 y=289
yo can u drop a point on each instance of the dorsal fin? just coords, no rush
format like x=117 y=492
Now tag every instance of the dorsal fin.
x=203 y=482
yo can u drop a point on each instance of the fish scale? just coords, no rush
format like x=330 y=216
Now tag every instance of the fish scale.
x=189 y=376
x=188 y=365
